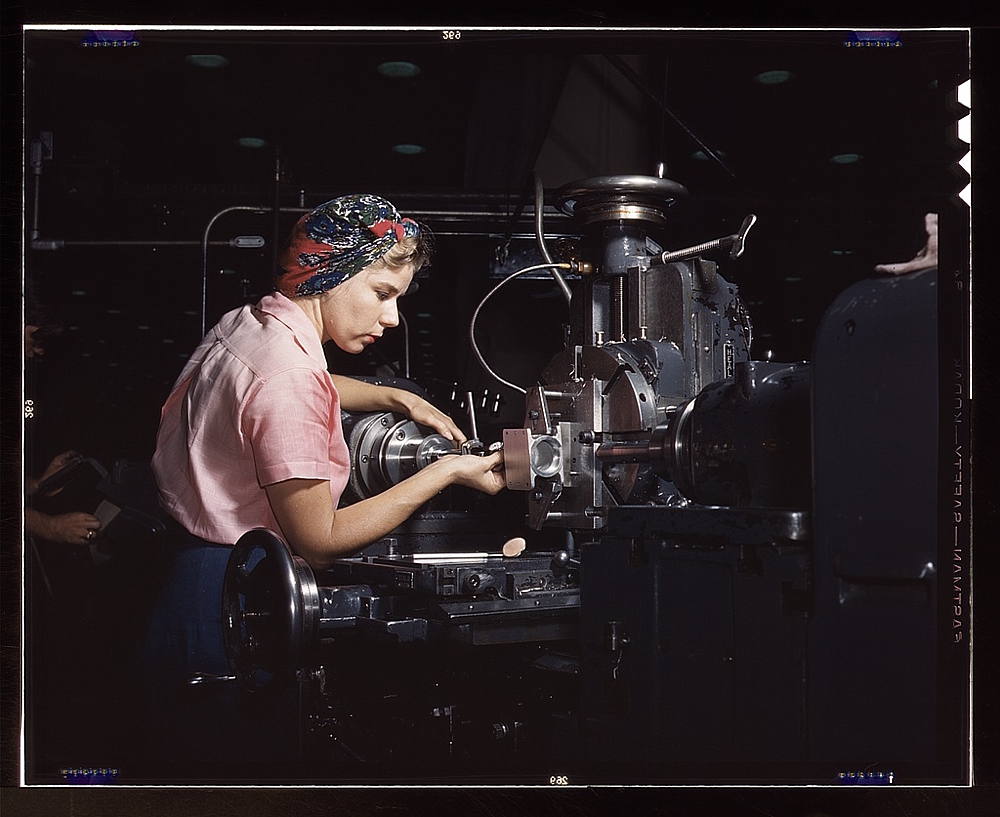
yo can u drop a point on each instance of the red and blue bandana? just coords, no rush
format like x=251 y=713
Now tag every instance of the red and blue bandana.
x=338 y=239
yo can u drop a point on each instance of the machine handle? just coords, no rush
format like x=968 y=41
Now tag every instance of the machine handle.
x=737 y=242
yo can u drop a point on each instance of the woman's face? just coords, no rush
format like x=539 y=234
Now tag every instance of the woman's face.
x=357 y=312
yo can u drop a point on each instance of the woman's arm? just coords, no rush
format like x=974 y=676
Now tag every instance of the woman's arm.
x=359 y=395
x=320 y=534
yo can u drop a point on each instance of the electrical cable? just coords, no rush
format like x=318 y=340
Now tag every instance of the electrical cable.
x=540 y=237
x=482 y=303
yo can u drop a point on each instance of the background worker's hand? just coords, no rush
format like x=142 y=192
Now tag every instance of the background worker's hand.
x=59 y=462
x=76 y=528
x=925 y=259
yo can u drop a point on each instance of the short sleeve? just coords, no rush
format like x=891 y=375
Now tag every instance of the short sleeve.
x=291 y=421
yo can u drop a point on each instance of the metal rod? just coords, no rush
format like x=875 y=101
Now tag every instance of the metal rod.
x=276 y=237
x=540 y=237
x=204 y=254
x=737 y=241
x=58 y=244
x=471 y=408
x=406 y=345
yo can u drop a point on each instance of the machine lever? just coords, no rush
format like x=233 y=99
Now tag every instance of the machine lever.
x=561 y=560
x=736 y=241
x=471 y=408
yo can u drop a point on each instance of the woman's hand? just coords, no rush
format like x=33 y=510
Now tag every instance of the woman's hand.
x=482 y=473
x=357 y=395
x=422 y=412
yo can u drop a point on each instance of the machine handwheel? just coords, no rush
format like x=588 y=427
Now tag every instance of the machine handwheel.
x=620 y=198
x=270 y=611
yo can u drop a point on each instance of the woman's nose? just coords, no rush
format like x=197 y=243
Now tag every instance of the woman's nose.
x=390 y=315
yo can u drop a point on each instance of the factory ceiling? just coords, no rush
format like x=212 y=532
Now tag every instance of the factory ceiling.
x=165 y=112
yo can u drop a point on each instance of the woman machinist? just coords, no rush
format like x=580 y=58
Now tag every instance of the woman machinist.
x=251 y=435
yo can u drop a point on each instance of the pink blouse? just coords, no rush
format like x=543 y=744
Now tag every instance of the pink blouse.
x=253 y=406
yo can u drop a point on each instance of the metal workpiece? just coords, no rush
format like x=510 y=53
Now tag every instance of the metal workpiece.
x=527 y=456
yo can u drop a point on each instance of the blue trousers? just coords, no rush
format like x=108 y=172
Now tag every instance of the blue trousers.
x=210 y=723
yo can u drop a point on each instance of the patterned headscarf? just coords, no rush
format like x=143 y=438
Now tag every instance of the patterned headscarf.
x=338 y=239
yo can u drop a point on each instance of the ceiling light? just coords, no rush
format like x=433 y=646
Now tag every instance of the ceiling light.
x=408 y=149
x=206 y=60
x=701 y=156
x=398 y=69
x=846 y=158
x=774 y=77
x=254 y=142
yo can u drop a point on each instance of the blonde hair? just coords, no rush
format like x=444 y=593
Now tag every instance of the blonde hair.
x=416 y=250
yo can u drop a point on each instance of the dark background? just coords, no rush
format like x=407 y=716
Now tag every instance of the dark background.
x=130 y=163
